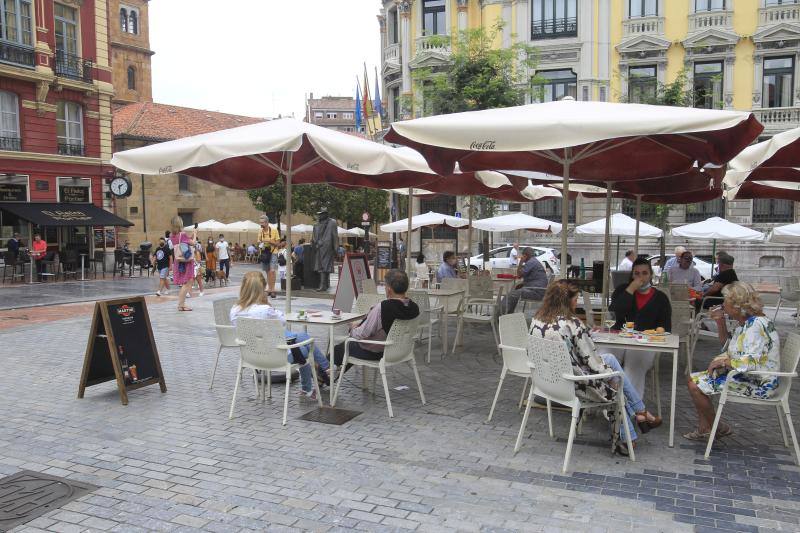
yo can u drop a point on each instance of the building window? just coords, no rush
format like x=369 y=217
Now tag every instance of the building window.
x=555 y=84
x=123 y=20
x=391 y=26
x=603 y=93
x=708 y=85
x=780 y=2
x=439 y=204
x=642 y=8
x=550 y=209
x=648 y=211
x=395 y=96
x=348 y=116
x=187 y=217
x=778 y=81
x=134 y=210
x=133 y=24
x=69 y=126
x=433 y=17
x=704 y=210
x=317 y=114
x=9 y=122
x=66 y=19
x=330 y=115
x=15 y=22
x=184 y=183
x=773 y=210
x=554 y=18
x=642 y=84
x=709 y=5
x=131 y=78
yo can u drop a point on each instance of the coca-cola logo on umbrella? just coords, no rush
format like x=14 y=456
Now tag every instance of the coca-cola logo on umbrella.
x=482 y=145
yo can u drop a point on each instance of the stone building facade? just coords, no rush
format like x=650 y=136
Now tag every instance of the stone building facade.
x=129 y=39
x=333 y=112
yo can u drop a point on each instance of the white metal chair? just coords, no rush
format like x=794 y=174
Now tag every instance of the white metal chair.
x=588 y=309
x=473 y=311
x=398 y=348
x=226 y=333
x=429 y=316
x=790 y=355
x=514 y=349
x=790 y=293
x=262 y=345
x=362 y=305
x=554 y=380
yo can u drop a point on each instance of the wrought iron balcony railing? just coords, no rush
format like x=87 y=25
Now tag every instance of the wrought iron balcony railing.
x=73 y=67
x=11 y=143
x=554 y=28
x=70 y=149
x=18 y=55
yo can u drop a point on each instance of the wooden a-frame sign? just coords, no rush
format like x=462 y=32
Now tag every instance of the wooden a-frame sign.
x=121 y=346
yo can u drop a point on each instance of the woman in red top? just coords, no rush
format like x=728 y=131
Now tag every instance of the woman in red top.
x=648 y=308
x=39 y=253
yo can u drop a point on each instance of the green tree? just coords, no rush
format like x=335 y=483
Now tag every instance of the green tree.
x=270 y=200
x=479 y=75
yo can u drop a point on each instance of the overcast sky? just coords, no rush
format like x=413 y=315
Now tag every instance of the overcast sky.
x=260 y=57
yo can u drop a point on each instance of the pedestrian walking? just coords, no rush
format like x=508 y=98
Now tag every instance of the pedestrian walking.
x=268 y=239
x=211 y=261
x=183 y=269
x=161 y=258
x=223 y=255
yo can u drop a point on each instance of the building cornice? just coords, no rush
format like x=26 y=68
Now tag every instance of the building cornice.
x=132 y=47
x=52 y=158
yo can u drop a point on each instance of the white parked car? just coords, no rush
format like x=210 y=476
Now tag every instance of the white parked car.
x=704 y=267
x=498 y=258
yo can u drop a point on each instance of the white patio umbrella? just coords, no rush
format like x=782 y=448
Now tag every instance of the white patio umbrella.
x=421 y=221
x=207 y=225
x=255 y=155
x=358 y=232
x=716 y=228
x=620 y=225
x=517 y=222
x=789 y=234
x=769 y=169
x=303 y=228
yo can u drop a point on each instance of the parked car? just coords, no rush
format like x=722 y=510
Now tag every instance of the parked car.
x=499 y=258
x=704 y=267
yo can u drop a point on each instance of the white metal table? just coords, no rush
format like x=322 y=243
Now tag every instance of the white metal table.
x=671 y=346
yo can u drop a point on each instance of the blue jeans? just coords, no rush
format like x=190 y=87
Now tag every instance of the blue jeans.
x=306 y=377
x=633 y=402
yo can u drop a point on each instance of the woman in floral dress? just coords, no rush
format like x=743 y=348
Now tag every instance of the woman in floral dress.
x=556 y=320
x=753 y=346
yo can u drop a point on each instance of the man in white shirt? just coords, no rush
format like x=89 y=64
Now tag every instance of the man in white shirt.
x=673 y=261
x=685 y=273
x=627 y=261
x=223 y=256
x=513 y=256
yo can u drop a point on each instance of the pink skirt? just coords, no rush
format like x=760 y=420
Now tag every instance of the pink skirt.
x=178 y=277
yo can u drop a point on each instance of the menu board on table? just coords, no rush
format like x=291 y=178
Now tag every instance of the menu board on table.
x=354 y=271
x=121 y=347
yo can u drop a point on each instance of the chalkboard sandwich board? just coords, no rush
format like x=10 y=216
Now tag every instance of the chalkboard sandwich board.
x=121 y=347
x=384 y=256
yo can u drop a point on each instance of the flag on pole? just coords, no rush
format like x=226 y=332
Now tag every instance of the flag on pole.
x=373 y=122
x=378 y=103
x=358 y=107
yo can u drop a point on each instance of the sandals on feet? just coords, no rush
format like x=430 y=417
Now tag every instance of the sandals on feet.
x=647 y=421
x=184 y=308
x=722 y=431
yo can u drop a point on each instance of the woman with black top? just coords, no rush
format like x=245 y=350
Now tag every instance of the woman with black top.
x=648 y=308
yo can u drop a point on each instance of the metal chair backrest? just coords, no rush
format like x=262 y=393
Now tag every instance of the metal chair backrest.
x=588 y=309
x=790 y=356
x=790 y=288
x=453 y=283
x=678 y=292
x=423 y=301
x=480 y=287
x=514 y=332
x=222 y=321
x=365 y=302
x=681 y=318
x=550 y=360
x=9 y=259
x=99 y=256
x=261 y=340
x=401 y=335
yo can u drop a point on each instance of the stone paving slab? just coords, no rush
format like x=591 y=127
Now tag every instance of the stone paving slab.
x=175 y=462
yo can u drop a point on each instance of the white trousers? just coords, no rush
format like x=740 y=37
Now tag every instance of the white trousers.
x=636 y=364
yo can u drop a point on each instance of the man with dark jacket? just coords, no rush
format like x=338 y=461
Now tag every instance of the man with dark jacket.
x=380 y=318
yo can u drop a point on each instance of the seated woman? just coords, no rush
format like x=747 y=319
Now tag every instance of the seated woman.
x=556 y=320
x=423 y=270
x=753 y=346
x=648 y=308
x=253 y=303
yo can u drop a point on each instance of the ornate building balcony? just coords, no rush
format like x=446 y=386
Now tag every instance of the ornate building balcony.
x=73 y=67
x=706 y=20
x=771 y=15
x=433 y=44
x=777 y=119
x=13 y=144
x=634 y=27
x=391 y=56
x=75 y=149
x=16 y=55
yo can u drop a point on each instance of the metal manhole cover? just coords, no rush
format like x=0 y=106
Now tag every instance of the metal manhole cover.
x=28 y=495
x=330 y=415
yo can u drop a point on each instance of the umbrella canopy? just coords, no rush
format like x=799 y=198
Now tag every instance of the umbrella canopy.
x=516 y=222
x=778 y=190
x=769 y=169
x=621 y=225
x=358 y=232
x=716 y=228
x=244 y=225
x=428 y=219
x=208 y=225
x=787 y=234
x=303 y=228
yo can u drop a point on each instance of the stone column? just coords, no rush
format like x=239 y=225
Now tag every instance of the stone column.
x=463 y=7
x=404 y=8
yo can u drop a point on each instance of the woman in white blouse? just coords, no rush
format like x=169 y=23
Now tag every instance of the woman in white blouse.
x=423 y=270
x=253 y=303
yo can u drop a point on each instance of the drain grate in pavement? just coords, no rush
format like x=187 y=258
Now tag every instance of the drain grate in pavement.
x=28 y=495
x=330 y=415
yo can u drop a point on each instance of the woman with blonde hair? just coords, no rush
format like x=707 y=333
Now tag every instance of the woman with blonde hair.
x=556 y=320
x=183 y=255
x=752 y=347
x=253 y=303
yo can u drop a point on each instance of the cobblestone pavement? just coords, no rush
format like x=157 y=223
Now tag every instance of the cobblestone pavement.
x=175 y=462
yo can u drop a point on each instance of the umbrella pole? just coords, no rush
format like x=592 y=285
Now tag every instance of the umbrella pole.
x=617 y=261
x=565 y=213
x=606 y=246
x=713 y=255
x=638 y=218
x=289 y=268
x=469 y=237
x=408 y=235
